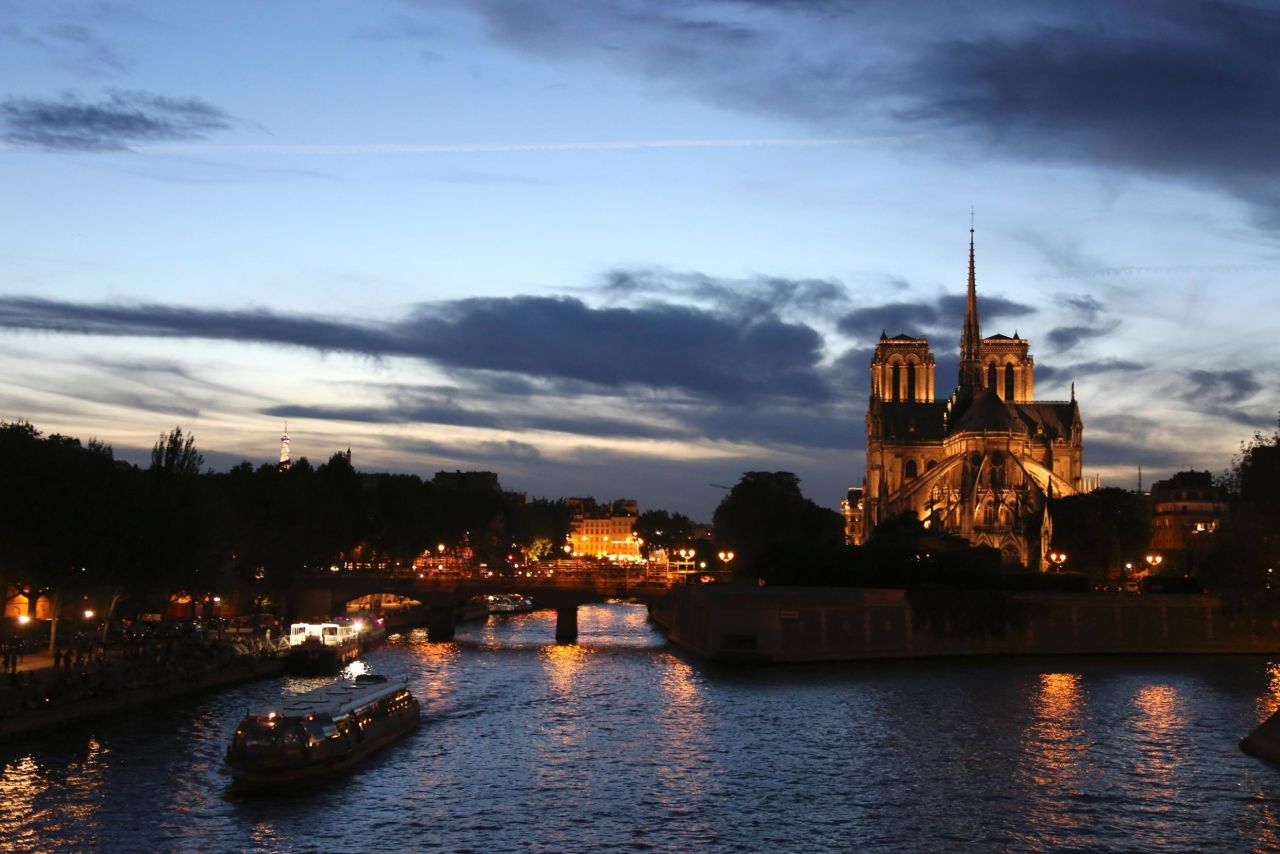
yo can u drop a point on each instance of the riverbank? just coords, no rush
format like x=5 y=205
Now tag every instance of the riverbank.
x=781 y=624
x=40 y=700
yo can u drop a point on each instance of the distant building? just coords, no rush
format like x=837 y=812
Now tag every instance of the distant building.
x=284 y=449
x=604 y=531
x=1188 y=508
x=852 y=509
x=983 y=463
x=470 y=482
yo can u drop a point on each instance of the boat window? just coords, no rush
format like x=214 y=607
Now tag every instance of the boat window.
x=319 y=727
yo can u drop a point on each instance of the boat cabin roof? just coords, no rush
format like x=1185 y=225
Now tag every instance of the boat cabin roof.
x=340 y=698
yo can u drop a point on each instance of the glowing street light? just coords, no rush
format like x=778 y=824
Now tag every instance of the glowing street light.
x=1057 y=559
x=23 y=619
x=725 y=557
x=1154 y=560
x=88 y=614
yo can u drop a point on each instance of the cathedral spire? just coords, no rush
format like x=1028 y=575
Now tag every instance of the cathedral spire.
x=971 y=337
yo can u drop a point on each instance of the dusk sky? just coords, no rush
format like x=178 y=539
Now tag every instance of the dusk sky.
x=631 y=249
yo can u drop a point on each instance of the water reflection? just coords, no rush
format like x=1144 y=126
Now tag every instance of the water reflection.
x=1269 y=700
x=620 y=743
x=1055 y=746
x=1158 y=734
x=34 y=802
x=685 y=759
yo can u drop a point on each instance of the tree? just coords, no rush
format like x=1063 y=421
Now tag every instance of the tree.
x=766 y=512
x=660 y=530
x=1246 y=553
x=1102 y=530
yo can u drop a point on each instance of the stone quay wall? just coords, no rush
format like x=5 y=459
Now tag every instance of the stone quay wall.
x=781 y=624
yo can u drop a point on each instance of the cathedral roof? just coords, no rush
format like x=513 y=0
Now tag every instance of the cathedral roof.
x=1051 y=420
x=989 y=412
x=907 y=421
x=999 y=336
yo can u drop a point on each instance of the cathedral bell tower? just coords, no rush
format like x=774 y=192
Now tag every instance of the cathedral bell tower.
x=902 y=370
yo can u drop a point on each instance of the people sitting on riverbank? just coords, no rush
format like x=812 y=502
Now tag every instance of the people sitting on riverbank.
x=146 y=664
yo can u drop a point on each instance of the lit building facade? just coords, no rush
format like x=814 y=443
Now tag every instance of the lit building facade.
x=1188 y=508
x=982 y=463
x=605 y=532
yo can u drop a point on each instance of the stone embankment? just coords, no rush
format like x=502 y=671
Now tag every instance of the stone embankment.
x=91 y=686
x=778 y=624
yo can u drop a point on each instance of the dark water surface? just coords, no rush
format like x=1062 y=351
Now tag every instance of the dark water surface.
x=620 y=743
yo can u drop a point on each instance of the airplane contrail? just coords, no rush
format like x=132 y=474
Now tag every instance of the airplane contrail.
x=314 y=150
x=1115 y=272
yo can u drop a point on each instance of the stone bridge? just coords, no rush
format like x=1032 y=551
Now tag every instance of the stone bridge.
x=442 y=597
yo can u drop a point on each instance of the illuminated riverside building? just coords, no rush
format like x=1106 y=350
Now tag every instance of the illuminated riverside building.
x=982 y=463
x=605 y=532
x=1188 y=508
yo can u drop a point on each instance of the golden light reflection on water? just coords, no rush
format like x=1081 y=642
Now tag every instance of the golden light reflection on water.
x=1056 y=737
x=562 y=663
x=685 y=738
x=435 y=680
x=24 y=819
x=1159 y=725
x=1269 y=701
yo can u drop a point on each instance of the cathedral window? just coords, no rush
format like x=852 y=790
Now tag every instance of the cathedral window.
x=910 y=470
x=1008 y=382
x=991 y=375
x=929 y=466
x=896 y=381
x=988 y=514
x=911 y=382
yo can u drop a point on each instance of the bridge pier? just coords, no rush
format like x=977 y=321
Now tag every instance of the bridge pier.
x=567 y=624
x=441 y=623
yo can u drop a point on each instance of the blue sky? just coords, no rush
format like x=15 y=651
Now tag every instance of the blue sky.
x=621 y=248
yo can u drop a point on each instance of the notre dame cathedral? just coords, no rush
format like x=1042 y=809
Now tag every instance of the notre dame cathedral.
x=982 y=463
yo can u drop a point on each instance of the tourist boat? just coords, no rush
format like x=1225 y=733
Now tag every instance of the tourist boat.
x=320 y=649
x=509 y=603
x=321 y=733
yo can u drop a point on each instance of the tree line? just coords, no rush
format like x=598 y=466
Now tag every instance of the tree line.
x=77 y=522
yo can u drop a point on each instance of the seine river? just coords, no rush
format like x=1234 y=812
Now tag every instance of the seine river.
x=620 y=743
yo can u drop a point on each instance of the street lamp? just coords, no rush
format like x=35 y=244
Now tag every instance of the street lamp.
x=725 y=557
x=1154 y=561
x=1058 y=559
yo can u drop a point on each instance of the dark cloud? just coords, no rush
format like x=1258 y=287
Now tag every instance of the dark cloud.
x=1089 y=307
x=1109 y=452
x=1221 y=387
x=656 y=346
x=1083 y=370
x=771 y=295
x=1064 y=338
x=1182 y=88
x=922 y=318
x=487 y=453
x=114 y=124
x=70 y=45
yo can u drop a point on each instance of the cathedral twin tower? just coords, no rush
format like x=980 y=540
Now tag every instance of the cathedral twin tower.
x=981 y=464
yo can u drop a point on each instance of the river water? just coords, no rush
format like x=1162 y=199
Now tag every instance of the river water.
x=620 y=743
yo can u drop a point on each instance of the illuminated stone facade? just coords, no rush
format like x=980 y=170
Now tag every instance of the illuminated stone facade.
x=981 y=463
x=604 y=532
